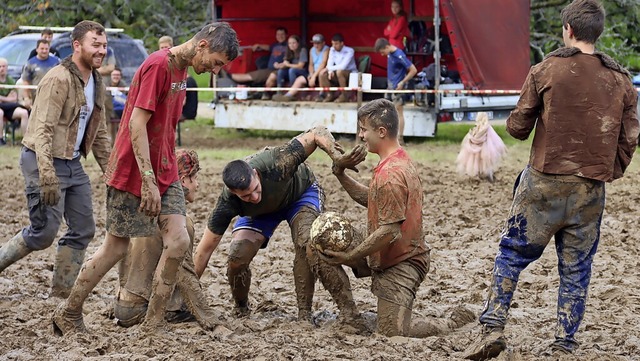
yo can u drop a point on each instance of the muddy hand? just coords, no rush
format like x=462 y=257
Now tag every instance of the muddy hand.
x=353 y=158
x=334 y=258
x=50 y=190
x=150 y=200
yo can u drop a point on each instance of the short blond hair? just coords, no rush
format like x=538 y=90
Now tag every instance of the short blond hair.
x=4 y=61
x=165 y=39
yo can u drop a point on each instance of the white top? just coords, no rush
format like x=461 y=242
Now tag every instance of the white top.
x=342 y=60
x=85 y=114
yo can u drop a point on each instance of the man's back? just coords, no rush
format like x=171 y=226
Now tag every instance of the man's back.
x=583 y=103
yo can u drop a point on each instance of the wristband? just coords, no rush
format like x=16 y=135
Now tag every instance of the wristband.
x=147 y=173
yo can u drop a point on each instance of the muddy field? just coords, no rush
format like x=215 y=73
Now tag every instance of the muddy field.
x=463 y=218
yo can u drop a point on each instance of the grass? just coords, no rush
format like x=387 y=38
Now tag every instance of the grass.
x=203 y=82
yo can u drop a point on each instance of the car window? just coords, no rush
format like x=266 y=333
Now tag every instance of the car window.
x=16 y=51
x=127 y=54
x=64 y=51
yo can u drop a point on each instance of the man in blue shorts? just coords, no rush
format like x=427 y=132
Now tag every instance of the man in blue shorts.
x=269 y=187
x=400 y=71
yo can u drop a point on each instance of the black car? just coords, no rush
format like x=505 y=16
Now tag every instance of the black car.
x=16 y=47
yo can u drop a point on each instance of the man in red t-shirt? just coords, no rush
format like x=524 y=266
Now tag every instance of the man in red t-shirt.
x=396 y=251
x=144 y=190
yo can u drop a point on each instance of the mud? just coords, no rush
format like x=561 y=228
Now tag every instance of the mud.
x=462 y=223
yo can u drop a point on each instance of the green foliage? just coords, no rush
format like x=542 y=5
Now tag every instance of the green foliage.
x=141 y=19
x=203 y=82
x=620 y=39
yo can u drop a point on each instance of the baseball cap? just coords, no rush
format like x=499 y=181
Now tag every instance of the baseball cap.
x=317 y=38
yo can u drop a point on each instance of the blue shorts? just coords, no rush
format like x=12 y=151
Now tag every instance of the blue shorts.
x=266 y=224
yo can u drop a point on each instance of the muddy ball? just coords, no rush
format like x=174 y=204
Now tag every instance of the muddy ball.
x=331 y=231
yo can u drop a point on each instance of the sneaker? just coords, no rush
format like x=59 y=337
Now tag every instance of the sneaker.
x=319 y=98
x=489 y=345
x=266 y=96
x=341 y=99
x=330 y=98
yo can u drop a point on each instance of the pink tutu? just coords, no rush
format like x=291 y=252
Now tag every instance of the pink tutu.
x=481 y=150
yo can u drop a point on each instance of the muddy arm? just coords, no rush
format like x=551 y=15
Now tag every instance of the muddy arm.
x=320 y=137
x=357 y=191
x=377 y=240
x=207 y=245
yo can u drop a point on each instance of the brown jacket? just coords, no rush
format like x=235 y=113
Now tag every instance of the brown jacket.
x=584 y=110
x=53 y=124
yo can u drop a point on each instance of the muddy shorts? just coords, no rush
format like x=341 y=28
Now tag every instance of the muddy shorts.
x=266 y=224
x=398 y=284
x=125 y=220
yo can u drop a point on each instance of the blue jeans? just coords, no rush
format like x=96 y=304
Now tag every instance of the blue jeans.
x=289 y=75
x=568 y=208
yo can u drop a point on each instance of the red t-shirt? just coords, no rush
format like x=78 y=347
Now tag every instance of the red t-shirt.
x=159 y=87
x=396 y=30
x=395 y=195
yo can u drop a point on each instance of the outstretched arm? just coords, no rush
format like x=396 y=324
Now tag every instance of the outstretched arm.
x=207 y=245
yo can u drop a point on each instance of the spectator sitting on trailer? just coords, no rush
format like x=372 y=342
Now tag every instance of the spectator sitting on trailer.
x=265 y=76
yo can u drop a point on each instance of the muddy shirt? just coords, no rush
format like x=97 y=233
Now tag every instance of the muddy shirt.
x=283 y=177
x=159 y=87
x=584 y=110
x=395 y=195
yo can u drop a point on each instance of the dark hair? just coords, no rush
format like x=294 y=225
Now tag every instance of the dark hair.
x=42 y=41
x=282 y=28
x=82 y=28
x=117 y=69
x=586 y=18
x=290 y=55
x=237 y=175
x=381 y=43
x=221 y=38
x=380 y=113
x=337 y=37
x=47 y=31
x=401 y=12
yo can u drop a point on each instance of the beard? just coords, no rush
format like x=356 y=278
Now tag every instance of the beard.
x=88 y=60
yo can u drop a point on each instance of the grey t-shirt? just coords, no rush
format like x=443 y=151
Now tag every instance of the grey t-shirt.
x=85 y=114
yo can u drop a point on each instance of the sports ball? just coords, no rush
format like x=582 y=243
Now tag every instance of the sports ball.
x=331 y=231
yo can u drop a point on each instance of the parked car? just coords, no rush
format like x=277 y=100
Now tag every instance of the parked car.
x=16 y=47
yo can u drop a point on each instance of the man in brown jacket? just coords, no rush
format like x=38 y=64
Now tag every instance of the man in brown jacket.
x=584 y=108
x=67 y=121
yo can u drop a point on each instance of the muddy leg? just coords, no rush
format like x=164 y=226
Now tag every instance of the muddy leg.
x=393 y=320
x=243 y=248
x=175 y=242
x=68 y=316
x=303 y=276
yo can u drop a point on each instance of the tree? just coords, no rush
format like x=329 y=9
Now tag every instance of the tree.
x=142 y=19
x=619 y=39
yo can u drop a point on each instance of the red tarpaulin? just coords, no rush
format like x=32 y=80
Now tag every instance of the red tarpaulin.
x=489 y=38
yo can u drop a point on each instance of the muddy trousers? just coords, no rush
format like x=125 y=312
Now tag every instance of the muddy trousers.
x=568 y=208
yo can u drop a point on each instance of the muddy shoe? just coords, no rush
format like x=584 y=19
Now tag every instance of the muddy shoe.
x=241 y=311
x=356 y=322
x=341 y=99
x=129 y=315
x=461 y=316
x=152 y=326
x=305 y=315
x=489 y=345
x=179 y=316
x=66 y=322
